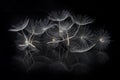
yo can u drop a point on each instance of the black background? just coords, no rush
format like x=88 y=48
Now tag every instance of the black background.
x=105 y=13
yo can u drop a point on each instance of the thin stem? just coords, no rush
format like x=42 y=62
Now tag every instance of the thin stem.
x=70 y=26
x=68 y=41
x=24 y=35
x=67 y=53
x=59 y=52
x=59 y=35
x=31 y=36
x=31 y=56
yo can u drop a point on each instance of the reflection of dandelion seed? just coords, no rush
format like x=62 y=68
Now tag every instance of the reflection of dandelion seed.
x=102 y=57
x=58 y=66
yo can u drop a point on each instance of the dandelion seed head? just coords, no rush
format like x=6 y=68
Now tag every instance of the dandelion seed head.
x=53 y=39
x=44 y=29
x=83 y=37
x=101 y=40
x=60 y=31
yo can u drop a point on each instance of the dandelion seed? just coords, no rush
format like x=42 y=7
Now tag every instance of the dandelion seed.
x=39 y=27
x=26 y=42
x=20 y=27
x=84 y=40
x=59 y=16
x=82 y=20
x=103 y=40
